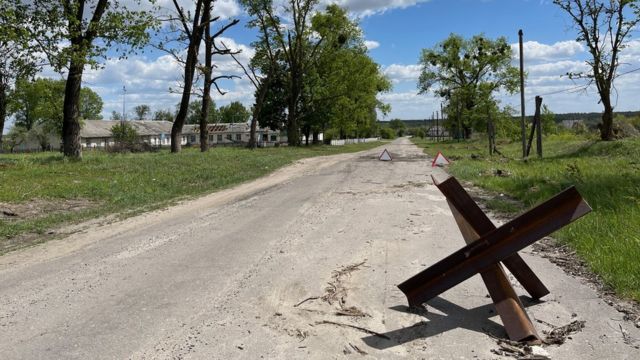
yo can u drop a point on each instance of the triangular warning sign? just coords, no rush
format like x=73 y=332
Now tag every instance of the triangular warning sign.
x=385 y=156
x=440 y=160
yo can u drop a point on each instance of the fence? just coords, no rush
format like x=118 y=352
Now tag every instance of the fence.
x=353 y=141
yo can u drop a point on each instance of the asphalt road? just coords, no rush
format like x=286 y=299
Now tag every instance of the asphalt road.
x=222 y=277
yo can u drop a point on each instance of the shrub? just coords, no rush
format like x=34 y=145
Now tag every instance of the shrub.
x=387 y=133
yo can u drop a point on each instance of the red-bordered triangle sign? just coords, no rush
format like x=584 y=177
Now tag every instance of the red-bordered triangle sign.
x=385 y=156
x=440 y=160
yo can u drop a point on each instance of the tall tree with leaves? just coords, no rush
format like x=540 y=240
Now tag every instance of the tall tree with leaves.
x=41 y=102
x=604 y=26
x=467 y=72
x=298 y=47
x=142 y=111
x=78 y=33
x=17 y=60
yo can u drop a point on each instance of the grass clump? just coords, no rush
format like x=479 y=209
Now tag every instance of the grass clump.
x=607 y=174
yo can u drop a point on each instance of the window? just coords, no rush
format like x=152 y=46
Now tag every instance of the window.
x=193 y=138
x=210 y=138
x=229 y=137
x=274 y=137
x=239 y=137
x=219 y=138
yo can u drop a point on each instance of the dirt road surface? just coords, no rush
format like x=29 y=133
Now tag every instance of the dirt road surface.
x=222 y=277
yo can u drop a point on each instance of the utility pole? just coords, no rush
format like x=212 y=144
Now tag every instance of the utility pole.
x=522 y=126
x=437 y=128
x=124 y=95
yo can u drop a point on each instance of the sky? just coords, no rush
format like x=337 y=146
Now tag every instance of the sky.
x=395 y=32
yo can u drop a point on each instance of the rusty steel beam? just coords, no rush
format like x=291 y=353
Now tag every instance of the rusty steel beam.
x=514 y=318
x=495 y=246
x=480 y=223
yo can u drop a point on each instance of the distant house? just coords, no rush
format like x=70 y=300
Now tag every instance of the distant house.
x=438 y=131
x=232 y=134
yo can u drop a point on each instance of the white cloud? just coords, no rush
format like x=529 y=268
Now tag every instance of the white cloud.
x=535 y=51
x=370 y=44
x=402 y=73
x=371 y=7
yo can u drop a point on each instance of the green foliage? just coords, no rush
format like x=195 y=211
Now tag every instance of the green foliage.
x=387 y=133
x=235 y=112
x=466 y=73
x=112 y=27
x=125 y=134
x=40 y=102
x=166 y=115
x=127 y=184
x=116 y=115
x=195 y=112
x=142 y=111
x=548 y=118
x=606 y=174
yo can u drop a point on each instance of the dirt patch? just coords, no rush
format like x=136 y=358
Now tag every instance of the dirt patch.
x=36 y=208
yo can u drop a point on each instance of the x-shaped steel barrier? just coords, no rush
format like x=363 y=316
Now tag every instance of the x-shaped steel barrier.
x=488 y=246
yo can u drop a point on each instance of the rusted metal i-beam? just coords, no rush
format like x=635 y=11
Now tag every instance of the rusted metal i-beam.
x=480 y=224
x=495 y=246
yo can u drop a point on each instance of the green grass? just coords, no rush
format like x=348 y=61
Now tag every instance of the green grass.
x=607 y=174
x=127 y=184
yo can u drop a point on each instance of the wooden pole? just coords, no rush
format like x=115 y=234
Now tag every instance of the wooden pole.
x=522 y=114
x=535 y=125
x=539 y=126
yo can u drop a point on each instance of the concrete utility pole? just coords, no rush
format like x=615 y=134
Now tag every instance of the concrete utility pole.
x=524 y=133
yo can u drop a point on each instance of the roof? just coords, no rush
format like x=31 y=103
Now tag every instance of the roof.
x=102 y=128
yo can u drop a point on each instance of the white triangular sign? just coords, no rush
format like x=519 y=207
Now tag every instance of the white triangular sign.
x=385 y=156
x=440 y=160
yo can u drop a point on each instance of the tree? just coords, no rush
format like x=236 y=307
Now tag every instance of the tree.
x=194 y=114
x=18 y=60
x=163 y=115
x=141 y=111
x=467 y=73
x=398 y=126
x=235 y=112
x=297 y=44
x=90 y=104
x=78 y=33
x=191 y=30
x=41 y=102
x=604 y=26
x=116 y=116
x=342 y=84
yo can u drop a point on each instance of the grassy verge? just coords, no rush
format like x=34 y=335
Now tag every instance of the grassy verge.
x=607 y=174
x=50 y=191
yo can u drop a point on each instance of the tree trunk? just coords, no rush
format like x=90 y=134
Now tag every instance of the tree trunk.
x=189 y=71
x=208 y=69
x=71 y=112
x=3 y=107
x=257 y=109
x=606 y=129
x=316 y=137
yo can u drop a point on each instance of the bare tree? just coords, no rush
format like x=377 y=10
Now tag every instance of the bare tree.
x=207 y=70
x=192 y=31
x=604 y=26
x=142 y=111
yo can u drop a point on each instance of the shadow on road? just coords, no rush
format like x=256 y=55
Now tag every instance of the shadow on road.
x=454 y=317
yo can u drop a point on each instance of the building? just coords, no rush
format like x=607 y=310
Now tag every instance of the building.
x=232 y=134
x=96 y=134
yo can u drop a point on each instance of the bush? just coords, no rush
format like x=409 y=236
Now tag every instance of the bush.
x=126 y=138
x=387 y=133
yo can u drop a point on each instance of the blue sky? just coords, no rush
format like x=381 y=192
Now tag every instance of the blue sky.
x=396 y=31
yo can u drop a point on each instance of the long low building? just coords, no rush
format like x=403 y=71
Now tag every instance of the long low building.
x=96 y=134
